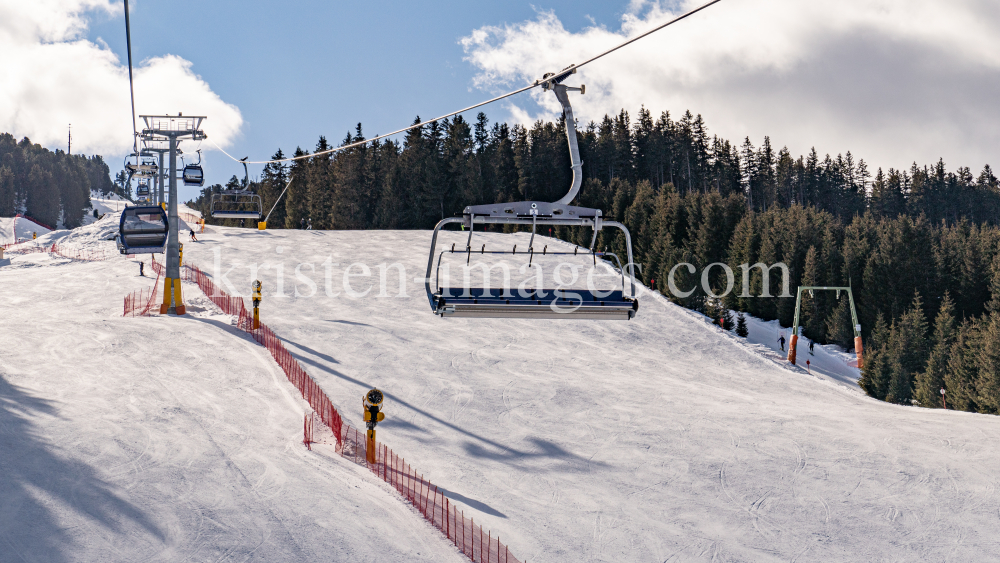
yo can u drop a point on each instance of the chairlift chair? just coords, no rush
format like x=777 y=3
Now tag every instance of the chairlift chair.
x=143 y=230
x=193 y=174
x=238 y=204
x=538 y=303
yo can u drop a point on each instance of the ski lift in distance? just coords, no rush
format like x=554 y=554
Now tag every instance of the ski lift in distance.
x=237 y=204
x=143 y=230
x=193 y=174
x=538 y=303
x=142 y=190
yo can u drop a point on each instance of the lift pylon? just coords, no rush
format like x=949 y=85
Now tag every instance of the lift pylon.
x=172 y=130
x=858 y=349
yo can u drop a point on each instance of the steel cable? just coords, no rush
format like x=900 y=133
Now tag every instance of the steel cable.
x=538 y=82
x=131 y=87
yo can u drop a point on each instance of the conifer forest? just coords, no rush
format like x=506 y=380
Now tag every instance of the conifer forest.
x=920 y=247
x=48 y=186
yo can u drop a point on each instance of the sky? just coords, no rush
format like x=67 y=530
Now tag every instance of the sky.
x=892 y=81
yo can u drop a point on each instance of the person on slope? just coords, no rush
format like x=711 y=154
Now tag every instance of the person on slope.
x=811 y=344
x=142 y=265
x=194 y=238
x=781 y=341
x=309 y=224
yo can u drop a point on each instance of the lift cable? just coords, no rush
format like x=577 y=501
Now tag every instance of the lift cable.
x=131 y=88
x=539 y=82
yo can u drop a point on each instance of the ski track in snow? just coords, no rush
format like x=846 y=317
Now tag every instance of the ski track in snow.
x=659 y=439
x=155 y=439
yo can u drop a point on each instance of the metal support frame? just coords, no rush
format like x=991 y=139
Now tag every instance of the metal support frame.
x=172 y=130
x=159 y=149
x=854 y=318
x=537 y=213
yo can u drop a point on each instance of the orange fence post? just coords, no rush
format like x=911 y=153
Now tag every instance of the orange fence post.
x=858 y=349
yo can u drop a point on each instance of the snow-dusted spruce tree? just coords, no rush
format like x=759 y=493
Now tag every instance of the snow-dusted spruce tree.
x=741 y=325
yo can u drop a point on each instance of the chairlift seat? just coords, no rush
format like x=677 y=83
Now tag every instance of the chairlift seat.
x=535 y=304
x=565 y=304
x=143 y=230
x=236 y=204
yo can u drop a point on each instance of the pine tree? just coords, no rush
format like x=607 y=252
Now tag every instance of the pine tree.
x=960 y=378
x=7 y=200
x=273 y=182
x=811 y=320
x=297 y=198
x=988 y=356
x=727 y=320
x=931 y=381
x=43 y=195
x=838 y=325
x=906 y=353
x=875 y=374
x=741 y=325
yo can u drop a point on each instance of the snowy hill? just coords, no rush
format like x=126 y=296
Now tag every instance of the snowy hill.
x=15 y=229
x=657 y=439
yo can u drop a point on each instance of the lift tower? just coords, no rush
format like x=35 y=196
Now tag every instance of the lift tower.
x=157 y=149
x=172 y=130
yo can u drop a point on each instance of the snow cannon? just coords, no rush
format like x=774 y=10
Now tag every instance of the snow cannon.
x=372 y=402
x=256 y=304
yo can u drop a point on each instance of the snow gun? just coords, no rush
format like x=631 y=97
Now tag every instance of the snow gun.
x=372 y=402
x=256 y=304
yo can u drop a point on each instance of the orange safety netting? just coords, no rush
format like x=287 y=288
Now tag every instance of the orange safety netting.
x=470 y=538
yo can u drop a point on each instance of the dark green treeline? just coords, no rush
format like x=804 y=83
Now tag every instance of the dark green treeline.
x=914 y=244
x=48 y=185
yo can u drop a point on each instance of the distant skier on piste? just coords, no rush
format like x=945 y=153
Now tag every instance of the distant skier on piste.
x=781 y=341
x=811 y=344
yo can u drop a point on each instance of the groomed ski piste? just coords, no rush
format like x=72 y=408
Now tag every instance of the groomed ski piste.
x=662 y=438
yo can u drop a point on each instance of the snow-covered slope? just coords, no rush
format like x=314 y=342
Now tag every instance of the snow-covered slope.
x=661 y=438
x=658 y=439
x=165 y=439
x=13 y=229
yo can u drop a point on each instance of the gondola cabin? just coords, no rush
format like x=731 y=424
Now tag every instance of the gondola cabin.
x=193 y=175
x=143 y=230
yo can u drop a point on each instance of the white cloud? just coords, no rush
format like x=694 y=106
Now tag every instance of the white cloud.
x=891 y=80
x=51 y=76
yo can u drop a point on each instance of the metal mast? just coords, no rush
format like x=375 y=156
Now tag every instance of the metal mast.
x=172 y=130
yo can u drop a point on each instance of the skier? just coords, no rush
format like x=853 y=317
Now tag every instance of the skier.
x=309 y=224
x=141 y=271
x=194 y=238
x=781 y=340
x=302 y=224
x=811 y=344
